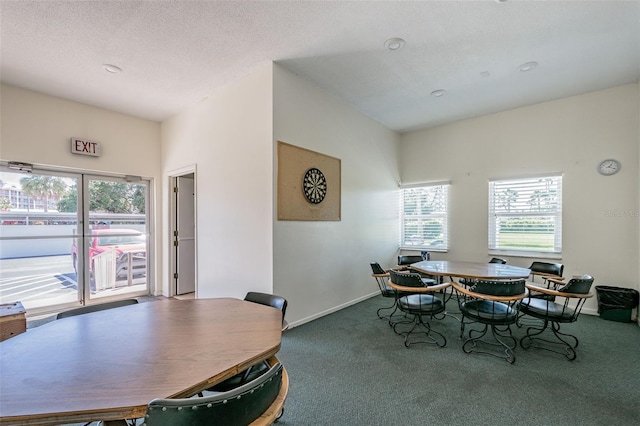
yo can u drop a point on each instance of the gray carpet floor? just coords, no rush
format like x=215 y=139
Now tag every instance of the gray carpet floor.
x=349 y=368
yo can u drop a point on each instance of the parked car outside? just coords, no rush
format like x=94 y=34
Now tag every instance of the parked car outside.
x=128 y=243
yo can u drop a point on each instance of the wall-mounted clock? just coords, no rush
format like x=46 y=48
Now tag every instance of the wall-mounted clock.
x=314 y=186
x=609 y=167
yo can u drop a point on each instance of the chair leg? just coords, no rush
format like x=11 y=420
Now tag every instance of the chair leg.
x=393 y=323
x=555 y=327
x=560 y=346
x=530 y=321
x=455 y=314
x=502 y=338
x=394 y=307
x=389 y=317
x=279 y=416
x=430 y=335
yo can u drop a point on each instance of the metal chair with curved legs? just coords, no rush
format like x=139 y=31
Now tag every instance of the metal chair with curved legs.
x=494 y=305
x=553 y=313
x=405 y=260
x=548 y=273
x=420 y=301
x=382 y=279
x=404 y=264
x=546 y=269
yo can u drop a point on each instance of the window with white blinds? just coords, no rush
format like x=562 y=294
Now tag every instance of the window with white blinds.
x=526 y=214
x=424 y=216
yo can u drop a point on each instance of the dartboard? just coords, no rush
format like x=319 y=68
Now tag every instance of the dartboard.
x=314 y=186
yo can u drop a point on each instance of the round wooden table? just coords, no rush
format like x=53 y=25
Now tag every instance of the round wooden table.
x=108 y=365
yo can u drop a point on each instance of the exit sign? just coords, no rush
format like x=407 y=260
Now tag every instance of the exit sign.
x=85 y=147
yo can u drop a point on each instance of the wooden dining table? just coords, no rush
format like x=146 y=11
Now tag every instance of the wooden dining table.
x=108 y=365
x=470 y=270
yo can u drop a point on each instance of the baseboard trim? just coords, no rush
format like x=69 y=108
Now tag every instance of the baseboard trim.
x=587 y=311
x=332 y=310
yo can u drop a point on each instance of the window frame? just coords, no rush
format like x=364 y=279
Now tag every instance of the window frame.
x=531 y=185
x=442 y=216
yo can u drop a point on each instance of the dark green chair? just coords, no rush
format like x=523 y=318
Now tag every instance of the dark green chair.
x=547 y=273
x=421 y=302
x=573 y=295
x=404 y=263
x=266 y=299
x=546 y=269
x=406 y=260
x=259 y=398
x=94 y=308
x=493 y=304
x=382 y=279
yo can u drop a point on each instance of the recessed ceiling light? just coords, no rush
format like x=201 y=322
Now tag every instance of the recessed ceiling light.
x=438 y=93
x=528 y=66
x=394 y=43
x=112 y=68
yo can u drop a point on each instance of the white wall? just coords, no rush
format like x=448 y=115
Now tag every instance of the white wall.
x=36 y=128
x=228 y=138
x=322 y=266
x=572 y=135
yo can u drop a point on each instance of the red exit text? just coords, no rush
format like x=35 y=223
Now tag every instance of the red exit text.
x=85 y=147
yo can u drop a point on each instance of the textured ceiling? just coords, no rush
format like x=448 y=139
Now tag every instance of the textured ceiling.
x=175 y=53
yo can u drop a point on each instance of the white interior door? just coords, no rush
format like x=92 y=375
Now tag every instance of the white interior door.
x=184 y=236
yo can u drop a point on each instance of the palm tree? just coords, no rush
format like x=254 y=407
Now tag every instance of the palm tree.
x=43 y=188
x=507 y=198
x=5 y=203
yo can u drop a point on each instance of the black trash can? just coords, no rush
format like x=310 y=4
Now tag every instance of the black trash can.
x=616 y=303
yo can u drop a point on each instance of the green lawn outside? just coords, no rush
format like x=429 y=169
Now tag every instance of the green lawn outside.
x=517 y=240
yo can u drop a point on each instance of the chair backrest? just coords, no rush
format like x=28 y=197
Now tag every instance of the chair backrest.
x=547 y=268
x=237 y=407
x=94 y=308
x=406 y=279
x=408 y=260
x=272 y=300
x=377 y=269
x=498 y=260
x=578 y=285
x=499 y=288
x=267 y=299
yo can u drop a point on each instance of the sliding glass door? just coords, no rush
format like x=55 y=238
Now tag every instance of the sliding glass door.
x=69 y=238
x=115 y=236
